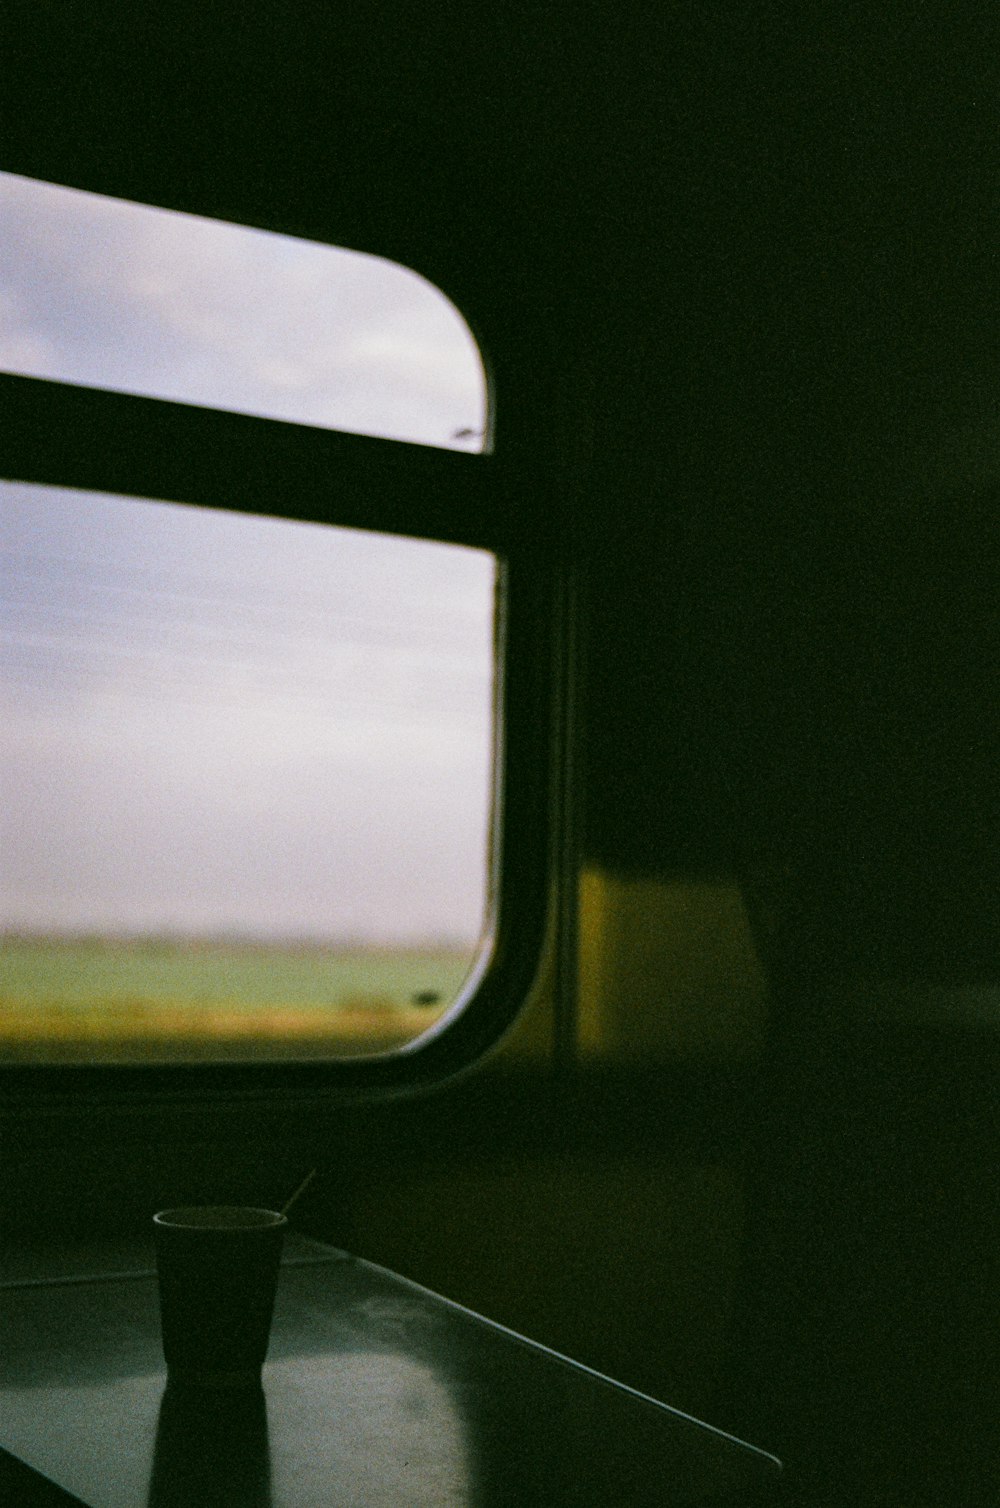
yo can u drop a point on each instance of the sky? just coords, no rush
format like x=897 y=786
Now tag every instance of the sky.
x=213 y=723
x=110 y=294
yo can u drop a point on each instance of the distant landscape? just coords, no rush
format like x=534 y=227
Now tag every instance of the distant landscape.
x=143 y=999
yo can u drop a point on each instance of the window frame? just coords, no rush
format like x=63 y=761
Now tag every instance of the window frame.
x=97 y=440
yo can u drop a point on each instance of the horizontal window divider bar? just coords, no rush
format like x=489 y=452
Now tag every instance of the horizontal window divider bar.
x=101 y=441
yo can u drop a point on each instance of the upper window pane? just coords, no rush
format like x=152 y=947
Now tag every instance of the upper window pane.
x=111 y=294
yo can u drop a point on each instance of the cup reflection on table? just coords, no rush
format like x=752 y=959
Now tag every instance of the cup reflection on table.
x=218 y=1271
x=211 y=1450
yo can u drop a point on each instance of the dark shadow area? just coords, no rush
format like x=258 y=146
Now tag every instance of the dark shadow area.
x=864 y=1341
x=211 y=1449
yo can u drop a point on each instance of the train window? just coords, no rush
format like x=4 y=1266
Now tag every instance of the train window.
x=137 y=299
x=279 y=695
x=248 y=782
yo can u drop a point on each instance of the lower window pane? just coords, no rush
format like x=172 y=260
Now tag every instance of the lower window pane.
x=247 y=782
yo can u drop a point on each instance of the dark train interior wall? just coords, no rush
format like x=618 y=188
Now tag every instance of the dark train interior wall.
x=736 y=278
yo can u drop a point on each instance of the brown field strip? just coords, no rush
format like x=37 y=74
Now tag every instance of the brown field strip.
x=136 y=1027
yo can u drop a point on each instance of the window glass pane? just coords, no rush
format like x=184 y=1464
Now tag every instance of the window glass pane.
x=247 y=781
x=110 y=294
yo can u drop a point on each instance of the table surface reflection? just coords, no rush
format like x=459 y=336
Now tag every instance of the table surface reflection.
x=376 y=1392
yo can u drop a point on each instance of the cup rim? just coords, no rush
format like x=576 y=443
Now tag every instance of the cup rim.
x=212 y=1217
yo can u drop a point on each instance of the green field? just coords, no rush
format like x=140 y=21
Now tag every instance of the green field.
x=124 y=1000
